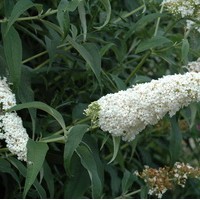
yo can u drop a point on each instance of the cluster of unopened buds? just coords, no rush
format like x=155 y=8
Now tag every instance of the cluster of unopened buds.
x=166 y=178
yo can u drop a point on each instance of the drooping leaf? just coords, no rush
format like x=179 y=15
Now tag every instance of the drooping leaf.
x=5 y=167
x=141 y=23
x=69 y=5
x=35 y=156
x=63 y=17
x=175 y=141
x=127 y=181
x=82 y=16
x=119 y=83
x=75 y=136
x=13 y=53
x=88 y=161
x=157 y=41
x=91 y=55
x=49 y=178
x=20 y=7
x=115 y=180
x=107 y=6
x=116 y=145
x=42 y=106
x=185 y=50
x=26 y=94
x=22 y=170
x=78 y=183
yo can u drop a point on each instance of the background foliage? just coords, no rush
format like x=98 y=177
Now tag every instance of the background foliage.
x=61 y=56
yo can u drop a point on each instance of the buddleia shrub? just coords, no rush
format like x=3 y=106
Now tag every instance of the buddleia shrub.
x=99 y=99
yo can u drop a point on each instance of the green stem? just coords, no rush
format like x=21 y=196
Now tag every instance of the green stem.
x=129 y=14
x=61 y=139
x=138 y=66
x=83 y=120
x=35 y=56
x=41 y=65
x=158 y=21
x=45 y=52
x=129 y=194
x=52 y=137
x=38 y=17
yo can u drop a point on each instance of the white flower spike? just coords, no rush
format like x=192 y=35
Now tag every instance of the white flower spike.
x=11 y=128
x=126 y=113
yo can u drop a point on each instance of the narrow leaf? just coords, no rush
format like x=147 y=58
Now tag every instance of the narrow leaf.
x=5 y=167
x=42 y=106
x=91 y=55
x=184 y=51
x=116 y=144
x=49 y=178
x=88 y=161
x=22 y=170
x=75 y=136
x=63 y=17
x=82 y=16
x=26 y=94
x=127 y=181
x=69 y=5
x=13 y=53
x=20 y=7
x=152 y=43
x=175 y=141
x=107 y=6
x=78 y=183
x=35 y=156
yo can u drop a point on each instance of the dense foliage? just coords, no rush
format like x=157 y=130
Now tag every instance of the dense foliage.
x=61 y=55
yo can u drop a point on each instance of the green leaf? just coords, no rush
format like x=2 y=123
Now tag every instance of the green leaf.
x=42 y=106
x=20 y=7
x=157 y=41
x=175 y=141
x=105 y=48
x=49 y=178
x=141 y=23
x=119 y=83
x=107 y=6
x=88 y=161
x=116 y=144
x=13 y=54
x=75 y=136
x=5 y=167
x=184 y=51
x=91 y=55
x=82 y=16
x=115 y=180
x=78 y=183
x=69 y=5
x=22 y=170
x=194 y=109
x=35 y=156
x=127 y=181
x=63 y=17
x=26 y=94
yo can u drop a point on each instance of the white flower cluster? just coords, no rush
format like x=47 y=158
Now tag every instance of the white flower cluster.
x=194 y=66
x=127 y=113
x=11 y=128
x=186 y=9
